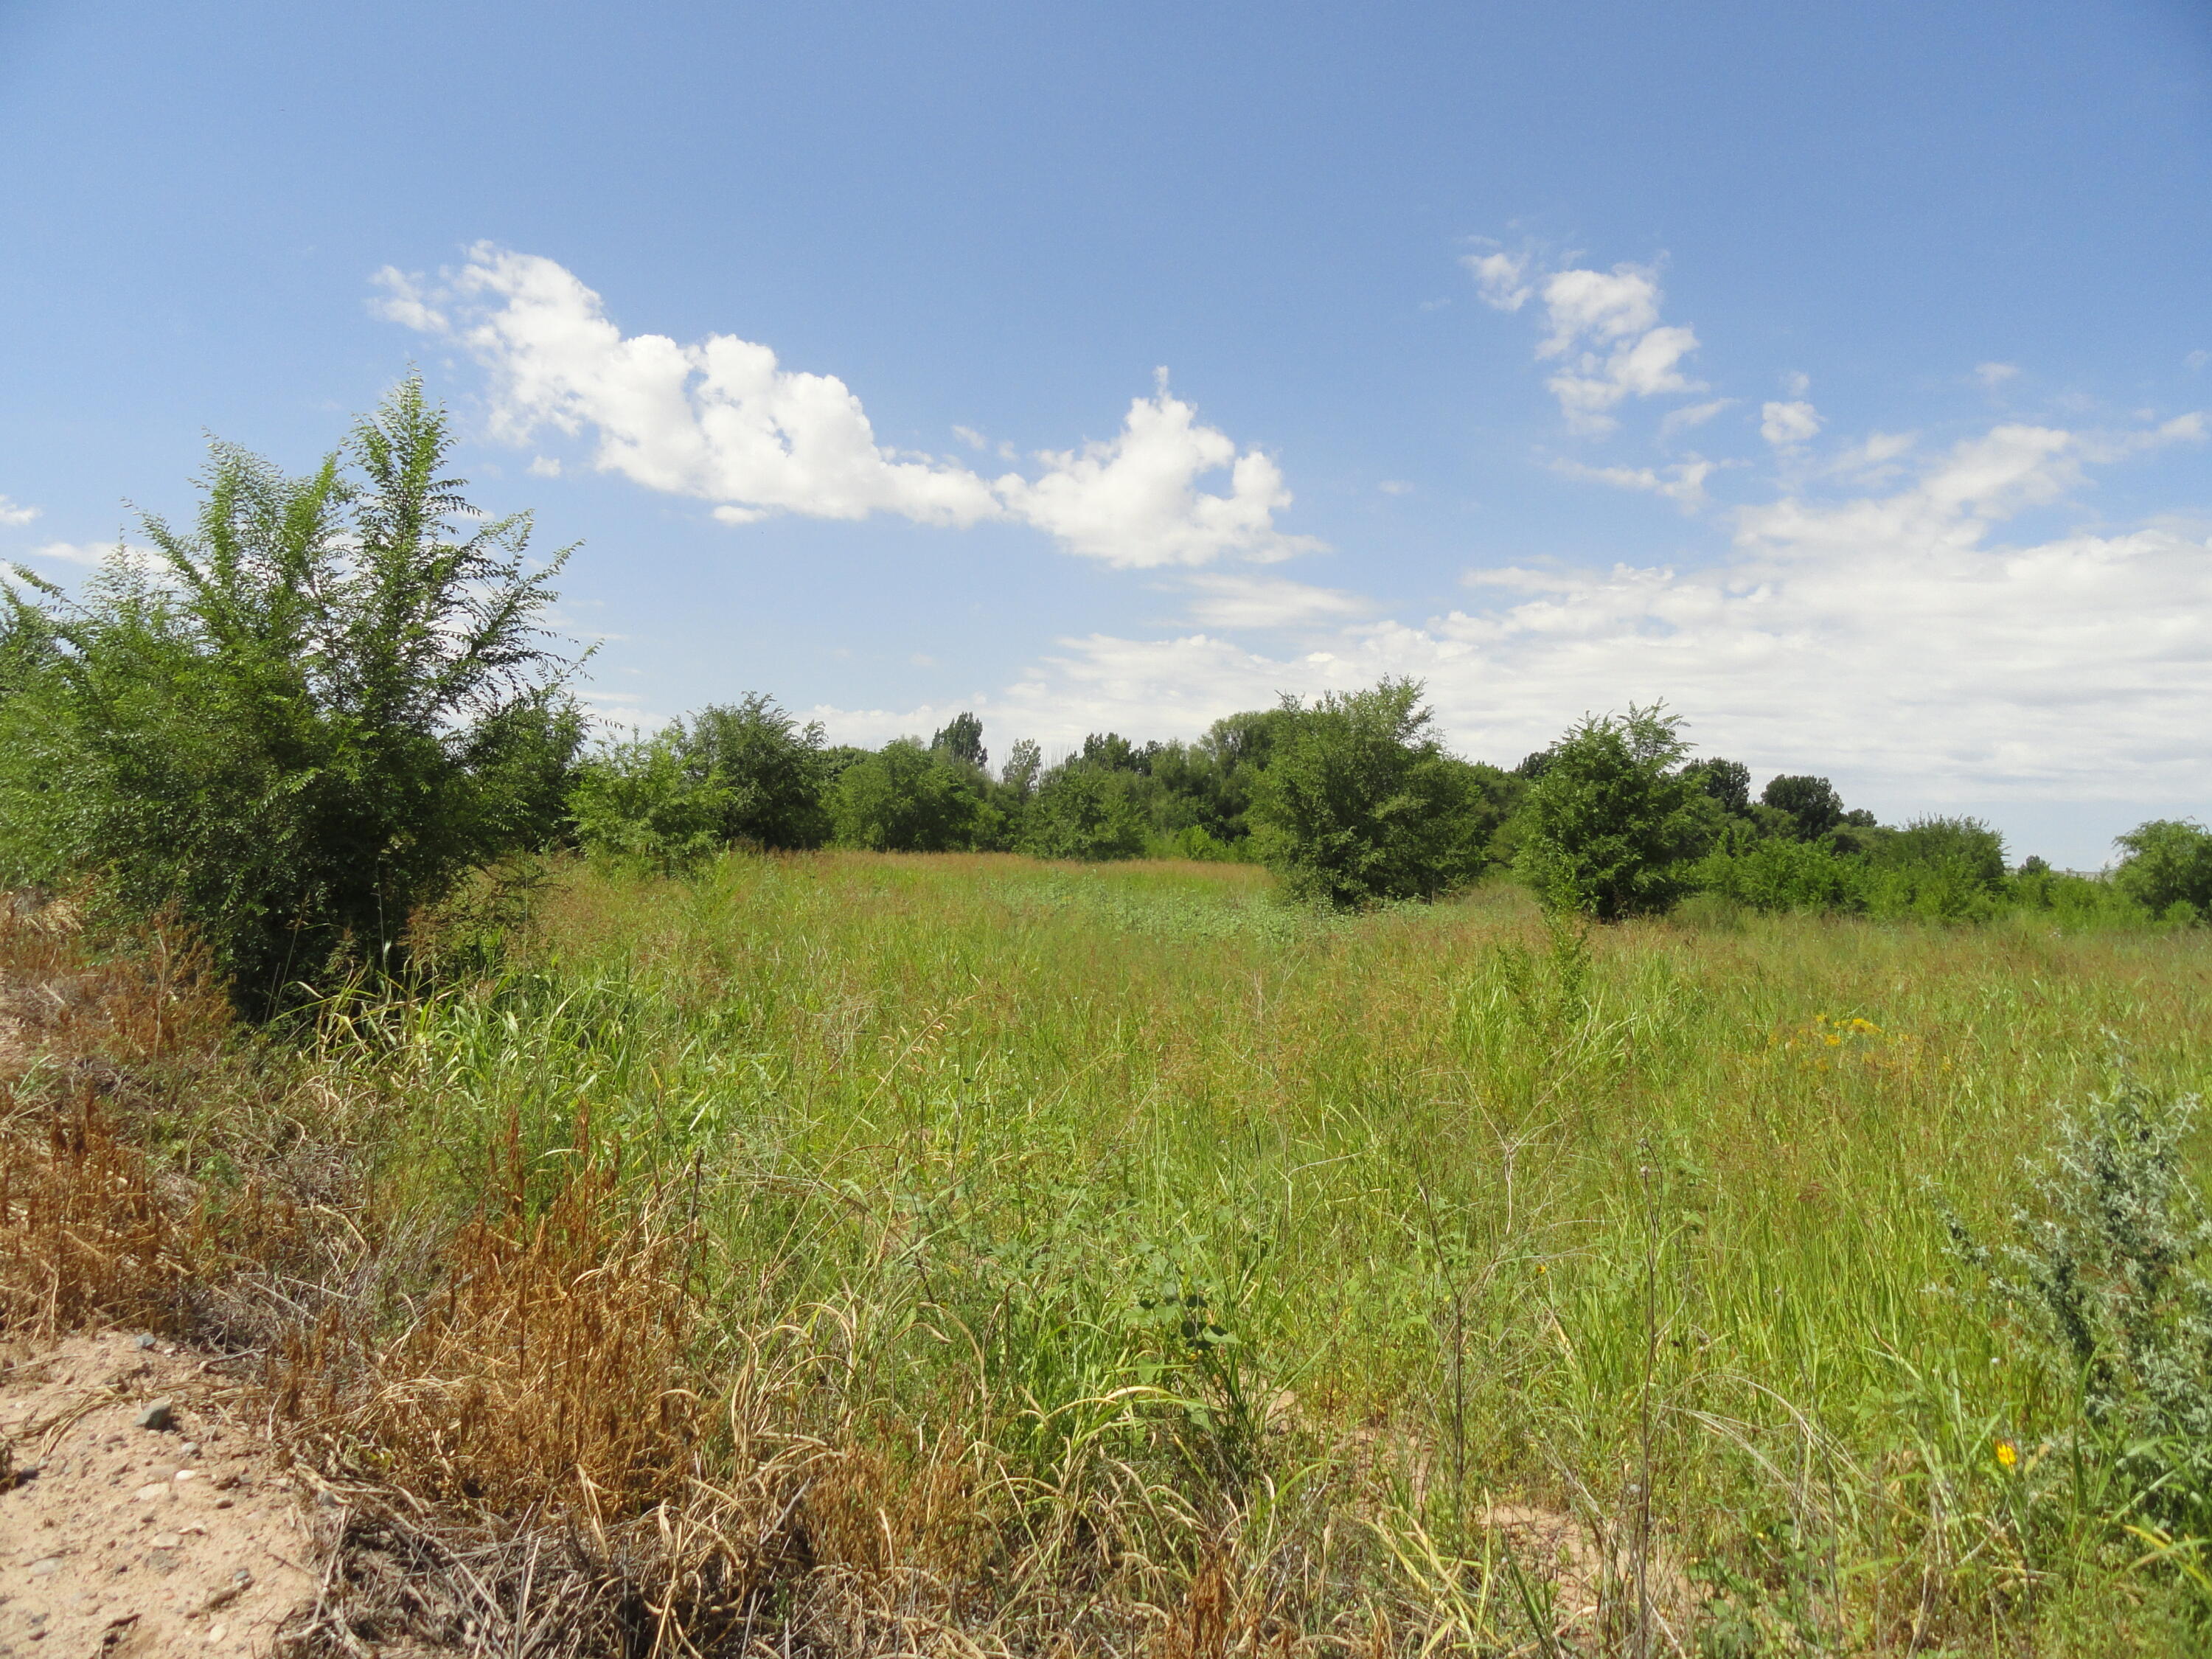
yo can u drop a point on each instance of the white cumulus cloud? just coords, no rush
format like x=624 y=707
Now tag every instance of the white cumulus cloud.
x=1892 y=634
x=1134 y=500
x=1785 y=425
x=13 y=512
x=723 y=421
x=1602 y=326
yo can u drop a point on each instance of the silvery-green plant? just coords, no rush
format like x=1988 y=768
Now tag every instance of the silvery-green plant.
x=2107 y=1269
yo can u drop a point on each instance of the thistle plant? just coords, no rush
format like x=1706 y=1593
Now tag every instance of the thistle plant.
x=2107 y=1272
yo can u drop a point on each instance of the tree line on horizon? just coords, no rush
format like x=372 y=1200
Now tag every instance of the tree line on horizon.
x=330 y=698
x=1353 y=801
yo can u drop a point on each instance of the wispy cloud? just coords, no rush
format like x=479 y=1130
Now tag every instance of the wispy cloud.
x=1678 y=420
x=1232 y=600
x=13 y=512
x=1683 y=483
x=93 y=555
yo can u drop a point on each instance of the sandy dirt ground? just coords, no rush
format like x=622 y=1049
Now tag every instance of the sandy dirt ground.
x=125 y=1539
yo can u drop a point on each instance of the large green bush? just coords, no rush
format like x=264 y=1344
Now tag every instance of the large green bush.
x=768 y=767
x=1083 y=811
x=1358 y=802
x=1778 y=872
x=641 y=804
x=319 y=707
x=907 y=799
x=1612 y=822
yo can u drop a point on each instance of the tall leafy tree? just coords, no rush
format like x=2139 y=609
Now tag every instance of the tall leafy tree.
x=1812 y=805
x=324 y=701
x=1727 y=781
x=1024 y=763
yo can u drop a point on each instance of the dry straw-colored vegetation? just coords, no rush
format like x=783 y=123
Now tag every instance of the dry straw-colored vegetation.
x=858 y=1255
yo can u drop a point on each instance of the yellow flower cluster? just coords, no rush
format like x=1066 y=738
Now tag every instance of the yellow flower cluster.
x=1869 y=1044
x=1833 y=1031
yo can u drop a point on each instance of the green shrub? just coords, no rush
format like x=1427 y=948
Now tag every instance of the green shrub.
x=321 y=707
x=1940 y=869
x=641 y=804
x=1083 y=811
x=1359 y=803
x=2168 y=862
x=1611 y=822
x=1774 y=874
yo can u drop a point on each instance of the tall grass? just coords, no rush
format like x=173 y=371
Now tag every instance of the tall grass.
x=1348 y=1246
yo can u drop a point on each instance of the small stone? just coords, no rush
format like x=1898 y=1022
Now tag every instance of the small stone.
x=222 y=1503
x=46 y=1566
x=188 y=1474
x=165 y=1541
x=143 y=1341
x=190 y=1448
x=158 y=1416
x=215 y=1632
x=146 y=1494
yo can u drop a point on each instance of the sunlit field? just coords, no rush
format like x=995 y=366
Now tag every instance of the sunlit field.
x=1432 y=1275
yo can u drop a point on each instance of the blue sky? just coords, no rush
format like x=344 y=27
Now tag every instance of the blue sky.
x=1835 y=373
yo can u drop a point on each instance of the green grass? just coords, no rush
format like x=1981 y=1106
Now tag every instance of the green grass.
x=1209 y=1219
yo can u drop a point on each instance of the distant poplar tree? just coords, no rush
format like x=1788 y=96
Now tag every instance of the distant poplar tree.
x=962 y=741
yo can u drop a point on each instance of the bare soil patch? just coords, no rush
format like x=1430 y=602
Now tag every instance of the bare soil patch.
x=119 y=1540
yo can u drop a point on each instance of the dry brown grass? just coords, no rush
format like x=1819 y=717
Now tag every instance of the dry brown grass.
x=551 y=1366
x=84 y=1235
x=88 y=1042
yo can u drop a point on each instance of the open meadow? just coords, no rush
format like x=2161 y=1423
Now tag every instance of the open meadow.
x=1111 y=1257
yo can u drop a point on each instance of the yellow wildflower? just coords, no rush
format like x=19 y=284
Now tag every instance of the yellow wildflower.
x=2007 y=1453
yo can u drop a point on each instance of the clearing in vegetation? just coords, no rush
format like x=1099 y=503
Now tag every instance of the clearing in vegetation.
x=848 y=1253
